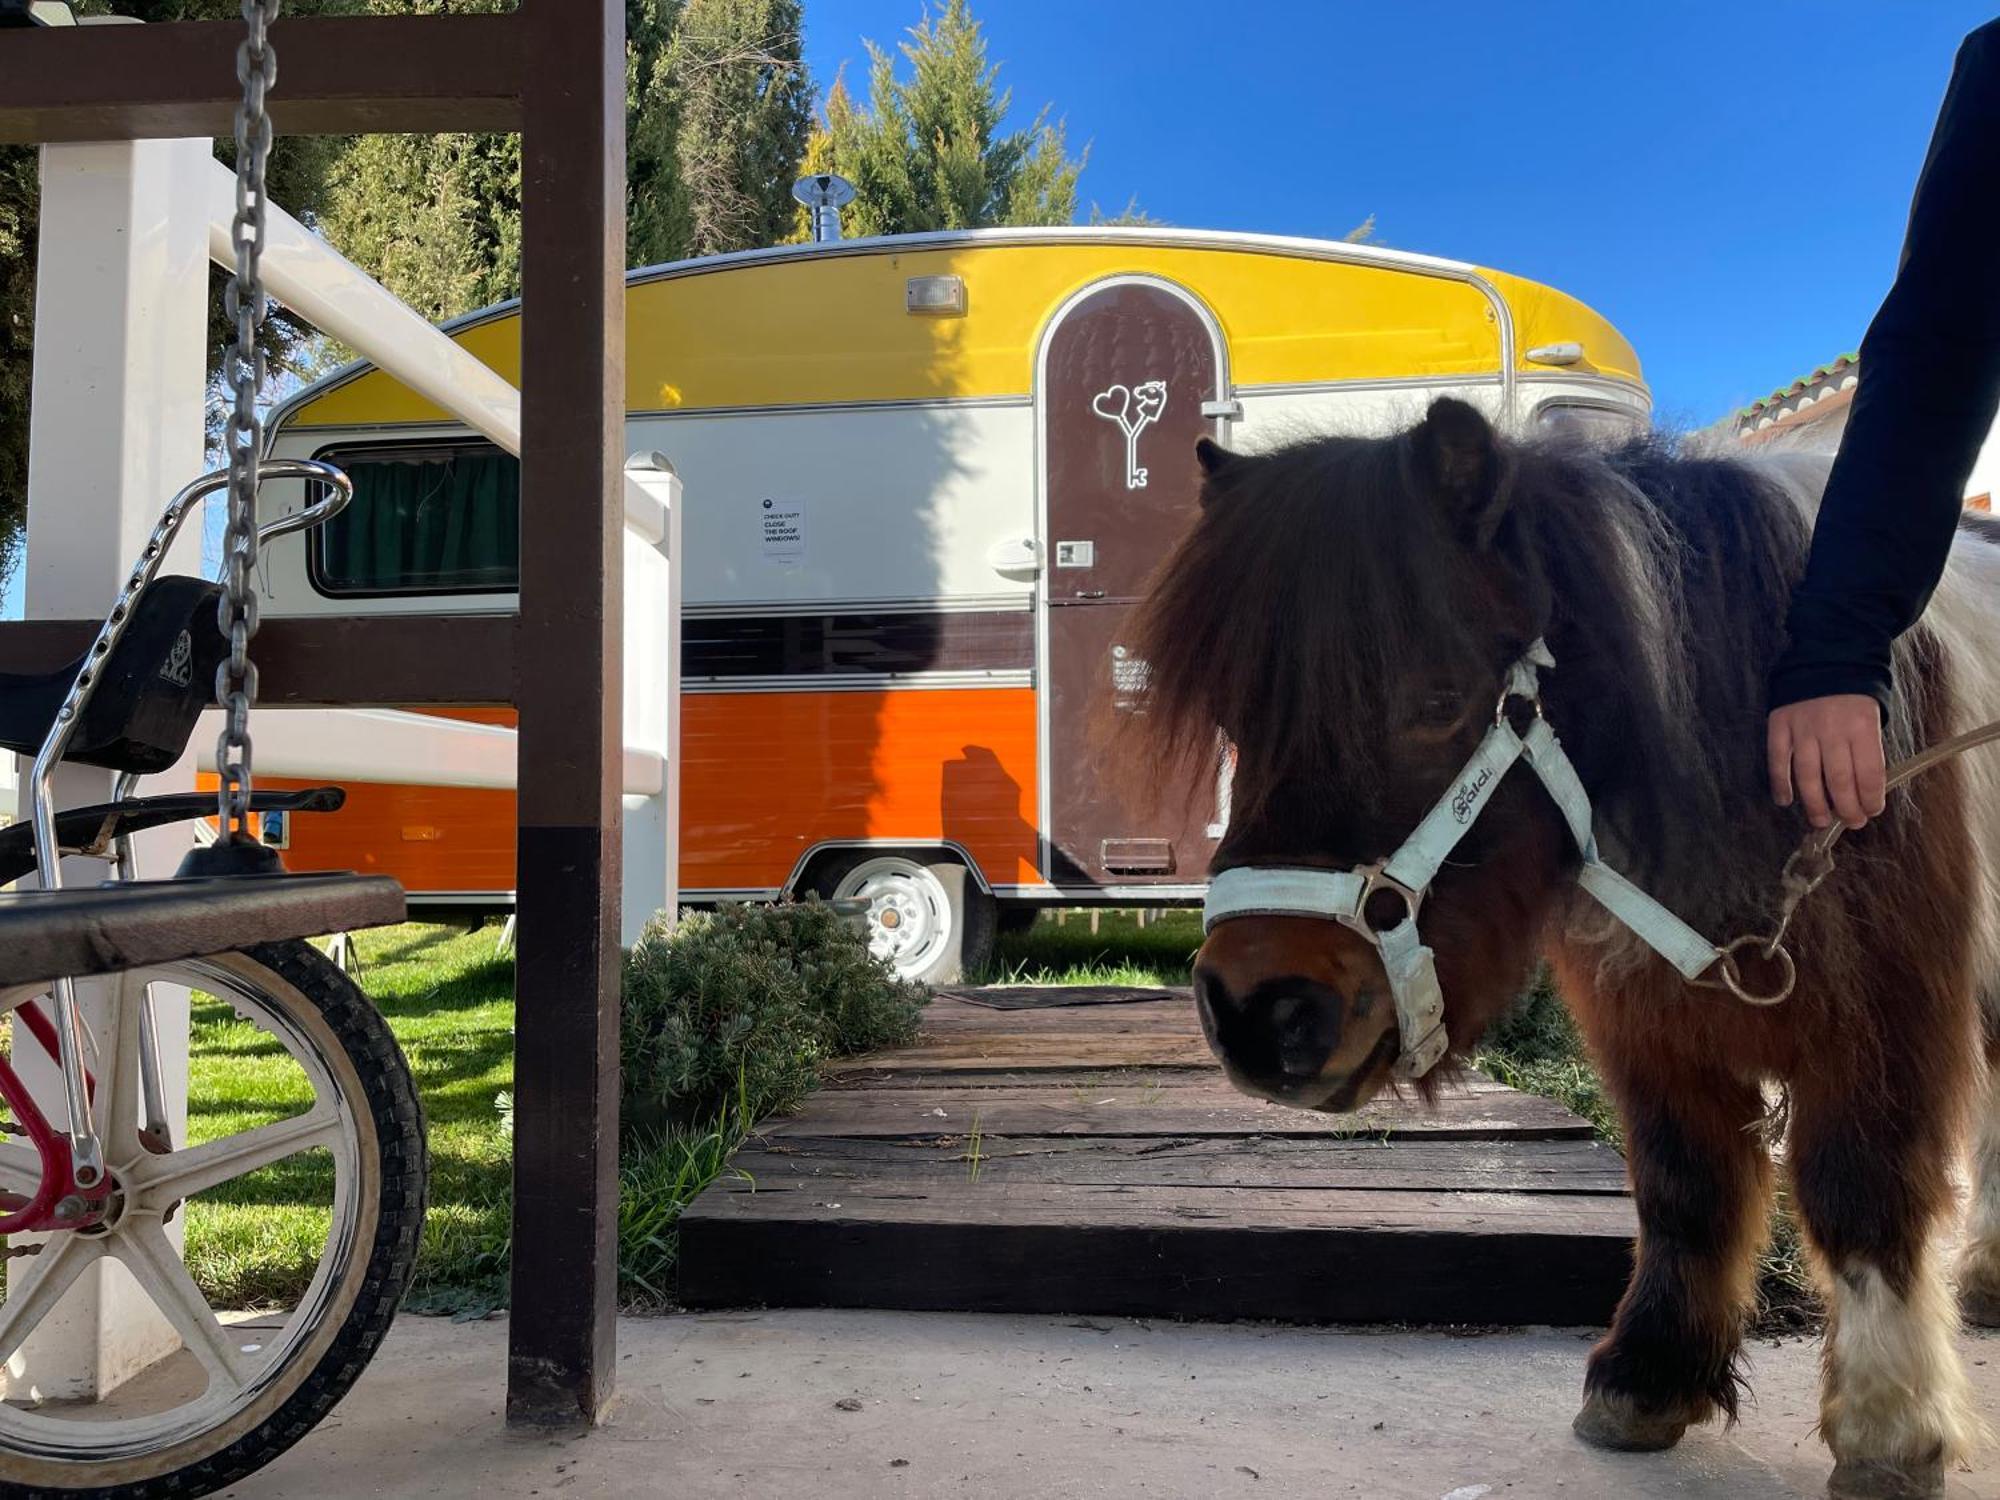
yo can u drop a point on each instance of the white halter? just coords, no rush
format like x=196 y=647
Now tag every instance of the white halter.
x=1342 y=895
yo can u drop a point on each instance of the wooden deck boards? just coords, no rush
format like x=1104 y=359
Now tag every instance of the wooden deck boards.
x=1093 y=1160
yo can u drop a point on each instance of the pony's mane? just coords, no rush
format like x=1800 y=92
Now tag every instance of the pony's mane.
x=1321 y=589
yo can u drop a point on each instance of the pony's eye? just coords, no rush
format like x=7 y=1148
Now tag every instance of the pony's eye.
x=1440 y=709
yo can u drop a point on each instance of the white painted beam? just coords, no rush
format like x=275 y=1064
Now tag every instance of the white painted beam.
x=337 y=297
x=394 y=747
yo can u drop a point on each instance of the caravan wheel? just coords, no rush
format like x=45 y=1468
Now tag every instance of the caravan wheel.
x=926 y=916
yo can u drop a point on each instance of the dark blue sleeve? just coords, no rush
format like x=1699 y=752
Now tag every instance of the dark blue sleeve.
x=1929 y=385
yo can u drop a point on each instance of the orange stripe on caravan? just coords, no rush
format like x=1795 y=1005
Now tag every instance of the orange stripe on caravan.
x=765 y=777
x=441 y=838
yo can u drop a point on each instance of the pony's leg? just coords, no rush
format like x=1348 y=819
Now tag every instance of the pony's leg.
x=1871 y=1169
x=1979 y=1269
x=1702 y=1178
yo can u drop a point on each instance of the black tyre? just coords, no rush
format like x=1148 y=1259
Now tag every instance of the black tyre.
x=926 y=913
x=267 y=1379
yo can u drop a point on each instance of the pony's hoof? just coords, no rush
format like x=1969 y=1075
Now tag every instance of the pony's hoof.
x=1616 y=1422
x=1980 y=1305
x=1886 y=1479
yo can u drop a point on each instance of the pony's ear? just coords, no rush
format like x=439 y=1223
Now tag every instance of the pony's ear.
x=1216 y=461
x=1212 y=456
x=1458 y=460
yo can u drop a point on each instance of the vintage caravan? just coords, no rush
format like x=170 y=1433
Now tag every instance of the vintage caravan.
x=926 y=478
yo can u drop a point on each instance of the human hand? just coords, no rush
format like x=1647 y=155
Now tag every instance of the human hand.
x=1828 y=751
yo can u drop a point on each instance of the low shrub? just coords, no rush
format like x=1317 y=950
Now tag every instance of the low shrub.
x=737 y=1009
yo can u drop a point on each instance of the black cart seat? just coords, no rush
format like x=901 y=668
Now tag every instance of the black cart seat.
x=108 y=929
x=150 y=691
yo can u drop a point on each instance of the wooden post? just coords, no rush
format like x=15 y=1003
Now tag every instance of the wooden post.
x=568 y=687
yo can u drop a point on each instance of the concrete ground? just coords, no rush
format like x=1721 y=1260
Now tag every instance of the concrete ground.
x=868 y=1404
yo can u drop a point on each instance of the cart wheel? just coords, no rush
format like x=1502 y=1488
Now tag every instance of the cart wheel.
x=926 y=914
x=336 y=1109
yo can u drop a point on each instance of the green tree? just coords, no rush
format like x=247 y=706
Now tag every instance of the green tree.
x=652 y=125
x=1131 y=214
x=737 y=116
x=925 y=152
x=717 y=111
x=435 y=218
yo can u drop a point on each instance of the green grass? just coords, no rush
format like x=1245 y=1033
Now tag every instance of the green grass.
x=661 y=1175
x=449 y=999
x=1536 y=1049
x=1119 y=952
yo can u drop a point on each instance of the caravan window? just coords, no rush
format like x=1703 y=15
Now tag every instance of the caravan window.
x=429 y=518
x=1593 y=421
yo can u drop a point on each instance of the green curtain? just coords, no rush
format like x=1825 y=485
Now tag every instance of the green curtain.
x=425 y=521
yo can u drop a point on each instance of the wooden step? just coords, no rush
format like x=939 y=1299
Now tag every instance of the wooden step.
x=1095 y=1160
x=1288 y=1253
x=795 y=1164
x=1144 y=1106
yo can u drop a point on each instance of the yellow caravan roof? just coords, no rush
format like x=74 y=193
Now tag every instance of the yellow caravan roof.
x=827 y=323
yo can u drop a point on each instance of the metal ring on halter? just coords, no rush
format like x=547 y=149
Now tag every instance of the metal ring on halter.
x=1378 y=879
x=1508 y=695
x=1732 y=977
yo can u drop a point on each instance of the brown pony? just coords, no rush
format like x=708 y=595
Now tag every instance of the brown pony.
x=1345 y=611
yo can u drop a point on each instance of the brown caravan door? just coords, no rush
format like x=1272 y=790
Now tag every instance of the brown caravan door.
x=1125 y=375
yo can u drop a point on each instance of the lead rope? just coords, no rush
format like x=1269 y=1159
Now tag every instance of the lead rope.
x=243 y=367
x=1807 y=868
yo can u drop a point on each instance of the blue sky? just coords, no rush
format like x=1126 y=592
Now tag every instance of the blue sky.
x=1726 y=182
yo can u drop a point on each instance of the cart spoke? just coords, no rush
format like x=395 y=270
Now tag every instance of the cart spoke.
x=115 y=1110
x=199 y=1168
x=154 y=1263
x=63 y=1258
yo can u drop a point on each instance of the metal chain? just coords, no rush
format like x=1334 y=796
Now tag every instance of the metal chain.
x=243 y=437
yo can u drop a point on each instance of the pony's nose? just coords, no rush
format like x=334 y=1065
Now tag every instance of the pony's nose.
x=1280 y=1034
x=1304 y=1034
x=1206 y=997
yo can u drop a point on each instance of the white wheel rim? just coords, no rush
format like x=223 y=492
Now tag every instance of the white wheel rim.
x=909 y=911
x=239 y=1364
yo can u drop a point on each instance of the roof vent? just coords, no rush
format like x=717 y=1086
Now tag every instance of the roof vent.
x=824 y=194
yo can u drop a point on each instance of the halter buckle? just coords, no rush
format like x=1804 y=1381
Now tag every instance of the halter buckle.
x=1376 y=878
